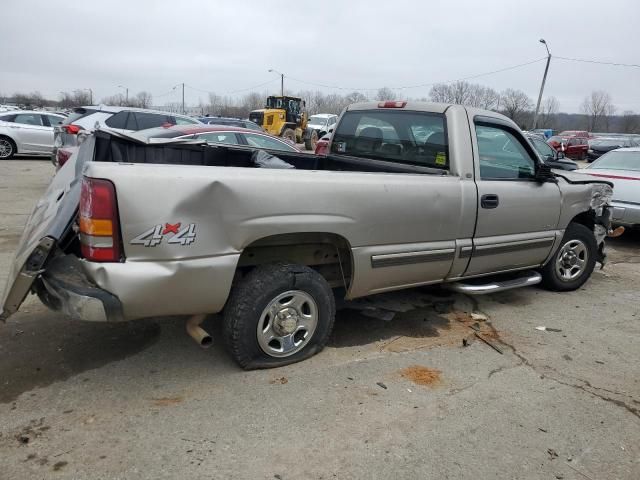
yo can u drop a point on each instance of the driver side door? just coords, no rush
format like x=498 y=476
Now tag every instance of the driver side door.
x=518 y=215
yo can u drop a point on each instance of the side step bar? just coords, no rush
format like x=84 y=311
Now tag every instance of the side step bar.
x=525 y=279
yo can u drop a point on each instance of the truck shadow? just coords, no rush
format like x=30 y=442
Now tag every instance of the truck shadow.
x=42 y=347
x=418 y=314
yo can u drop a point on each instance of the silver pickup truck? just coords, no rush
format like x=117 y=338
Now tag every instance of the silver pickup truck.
x=410 y=194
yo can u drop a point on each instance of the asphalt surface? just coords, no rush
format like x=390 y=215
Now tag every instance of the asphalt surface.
x=399 y=398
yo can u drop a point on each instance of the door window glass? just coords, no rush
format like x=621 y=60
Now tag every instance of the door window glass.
x=219 y=137
x=28 y=119
x=262 y=141
x=54 y=120
x=152 y=120
x=502 y=155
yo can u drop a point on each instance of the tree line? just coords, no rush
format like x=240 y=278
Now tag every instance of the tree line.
x=597 y=112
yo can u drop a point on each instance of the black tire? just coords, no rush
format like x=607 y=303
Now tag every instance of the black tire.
x=7 y=144
x=311 y=141
x=289 y=134
x=551 y=277
x=251 y=296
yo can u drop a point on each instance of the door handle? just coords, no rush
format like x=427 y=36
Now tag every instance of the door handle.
x=490 y=200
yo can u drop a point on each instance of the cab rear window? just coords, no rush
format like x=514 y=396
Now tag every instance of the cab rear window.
x=416 y=138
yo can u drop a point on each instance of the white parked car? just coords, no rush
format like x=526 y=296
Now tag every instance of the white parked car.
x=27 y=132
x=83 y=120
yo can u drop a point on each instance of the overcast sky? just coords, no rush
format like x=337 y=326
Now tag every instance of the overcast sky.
x=226 y=46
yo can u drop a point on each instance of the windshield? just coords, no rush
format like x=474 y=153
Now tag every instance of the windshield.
x=397 y=136
x=558 y=139
x=618 y=160
x=317 y=120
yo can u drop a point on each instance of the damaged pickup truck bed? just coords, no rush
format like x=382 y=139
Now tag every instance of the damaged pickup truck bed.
x=410 y=194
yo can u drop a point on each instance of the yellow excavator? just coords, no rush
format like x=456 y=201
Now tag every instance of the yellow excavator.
x=283 y=117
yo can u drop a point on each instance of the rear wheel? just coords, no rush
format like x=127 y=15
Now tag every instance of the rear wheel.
x=289 y=134
x=311 y=142
x=572 y=264
x=7 y=148
x=277 y=315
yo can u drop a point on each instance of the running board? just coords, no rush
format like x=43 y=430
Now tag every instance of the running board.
x=525 y=279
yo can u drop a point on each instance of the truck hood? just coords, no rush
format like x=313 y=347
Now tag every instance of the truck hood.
x=580 y=176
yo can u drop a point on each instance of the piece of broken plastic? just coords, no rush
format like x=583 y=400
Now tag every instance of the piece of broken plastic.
x=262 y=159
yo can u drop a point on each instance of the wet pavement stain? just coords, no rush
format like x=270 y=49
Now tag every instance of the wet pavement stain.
x=167 y=401
x=41 y=348
x=409 y=320
x=421 y=375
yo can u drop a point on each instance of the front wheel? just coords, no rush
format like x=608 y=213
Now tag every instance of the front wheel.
x=7 y=148
x=572 y=264
x=311 y=141
x=289 y=134
x=277 y=315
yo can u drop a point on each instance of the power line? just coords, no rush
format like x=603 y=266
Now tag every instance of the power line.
x=598 y=62
x=430 y=84
x=231 y=92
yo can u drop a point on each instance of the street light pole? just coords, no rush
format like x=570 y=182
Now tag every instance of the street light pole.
x=544 y=79
x=281 y=80
x=126 y=98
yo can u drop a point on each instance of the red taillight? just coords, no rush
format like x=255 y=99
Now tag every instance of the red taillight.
x=71 y=129
x=62 y=156
x=392 y=104
x=99 y=228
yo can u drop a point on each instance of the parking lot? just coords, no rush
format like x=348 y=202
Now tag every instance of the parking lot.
x=398 y=398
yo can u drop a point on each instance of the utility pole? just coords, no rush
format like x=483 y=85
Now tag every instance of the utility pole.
x=183 y=98
x=281 y=80
x=90 y=96
x=126 y=90
x=544 y=79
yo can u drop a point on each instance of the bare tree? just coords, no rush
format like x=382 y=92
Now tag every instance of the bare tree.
x=630 y=122
x=515 y=104
x=355 y=97
x=465 y=93
x=598 y=107
x=385 y=93
x=548 y=111
x=117 y=100
x=143 y=99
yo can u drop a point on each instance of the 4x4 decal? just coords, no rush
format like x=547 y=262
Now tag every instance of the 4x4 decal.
x=169 y=231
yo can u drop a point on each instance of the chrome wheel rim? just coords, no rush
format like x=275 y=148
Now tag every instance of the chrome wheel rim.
x=572 y=260
x=6 y=149
x=287 y=324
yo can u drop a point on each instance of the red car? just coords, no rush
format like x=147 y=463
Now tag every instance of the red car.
x=575 y=133
x=573 y=147
x=322 y=145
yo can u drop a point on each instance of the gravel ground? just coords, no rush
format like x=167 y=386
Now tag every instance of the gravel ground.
x=387 y=399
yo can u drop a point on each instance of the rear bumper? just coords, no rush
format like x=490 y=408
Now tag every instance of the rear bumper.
x=625 y=213
x=65 y=288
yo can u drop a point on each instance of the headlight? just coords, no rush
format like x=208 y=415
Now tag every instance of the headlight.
x=600 y=196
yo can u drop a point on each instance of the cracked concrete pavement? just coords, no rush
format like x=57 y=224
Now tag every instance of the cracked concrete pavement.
x=140 y=400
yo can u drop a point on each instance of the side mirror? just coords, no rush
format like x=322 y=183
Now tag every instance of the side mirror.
x=560 y=155
x=331 y=130
x=544 y=173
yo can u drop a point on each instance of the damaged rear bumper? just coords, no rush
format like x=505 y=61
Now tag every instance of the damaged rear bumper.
x=65 y=288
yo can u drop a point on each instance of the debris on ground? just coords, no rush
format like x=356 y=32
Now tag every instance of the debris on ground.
x=488 y=343
x=421 y=375
x=381 y=385
x=281 y=381
x=548 y=329
x=552 y=453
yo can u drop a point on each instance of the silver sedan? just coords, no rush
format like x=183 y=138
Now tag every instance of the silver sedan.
x=622 y=168
x=27 y=132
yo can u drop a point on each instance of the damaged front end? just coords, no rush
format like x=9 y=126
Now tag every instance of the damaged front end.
x=601 y=194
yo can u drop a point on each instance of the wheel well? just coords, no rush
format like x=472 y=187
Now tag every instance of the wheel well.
x=327 y=253
x=15 y=145
x=585 y=218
